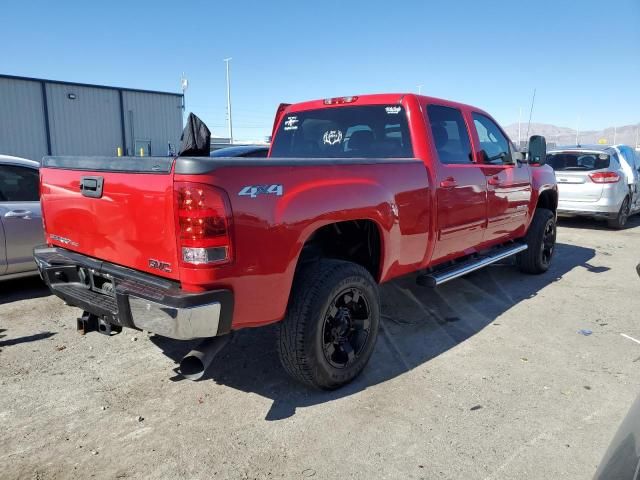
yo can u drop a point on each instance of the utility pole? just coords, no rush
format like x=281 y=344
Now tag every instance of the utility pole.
x=615 y=134
x=420 y=89
x=229 y=122
x=577 y=130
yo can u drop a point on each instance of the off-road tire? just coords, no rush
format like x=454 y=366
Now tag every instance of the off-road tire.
x=301 y=335
x=620 y=221
x=540 y=240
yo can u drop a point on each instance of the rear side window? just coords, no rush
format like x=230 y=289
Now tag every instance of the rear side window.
x=578 y=161
x=371 y=131
x=19 y=184
x=630 y=157
x=449 y=134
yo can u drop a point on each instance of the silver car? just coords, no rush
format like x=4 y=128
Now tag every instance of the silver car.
x=592 y=182
x=20 y=216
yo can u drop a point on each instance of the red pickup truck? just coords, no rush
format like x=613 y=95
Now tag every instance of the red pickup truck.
x=356 y=191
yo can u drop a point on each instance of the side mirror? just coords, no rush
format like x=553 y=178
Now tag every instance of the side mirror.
x=537 y=150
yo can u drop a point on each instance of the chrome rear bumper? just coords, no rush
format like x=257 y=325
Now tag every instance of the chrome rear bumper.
x=128 y=298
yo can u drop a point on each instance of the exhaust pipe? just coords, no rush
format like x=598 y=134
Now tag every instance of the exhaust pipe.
x=196 y=362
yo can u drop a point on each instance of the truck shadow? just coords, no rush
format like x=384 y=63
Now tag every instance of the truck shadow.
x=418 y=324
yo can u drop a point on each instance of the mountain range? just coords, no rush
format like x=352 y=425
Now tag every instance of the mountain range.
x=627 y=134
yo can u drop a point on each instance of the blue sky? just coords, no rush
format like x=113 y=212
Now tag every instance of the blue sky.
x=582 y=56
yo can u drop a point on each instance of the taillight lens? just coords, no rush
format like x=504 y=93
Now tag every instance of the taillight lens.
x=203 y=224
x=604 y=177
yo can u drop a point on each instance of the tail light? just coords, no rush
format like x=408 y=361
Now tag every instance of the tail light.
x=339 y=100
x=203 y=224
x=604 y=177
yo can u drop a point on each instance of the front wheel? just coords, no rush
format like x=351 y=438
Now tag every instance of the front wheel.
x=331 y=326
x=541 y=242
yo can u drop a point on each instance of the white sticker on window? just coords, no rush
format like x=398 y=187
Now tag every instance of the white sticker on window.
x=291 y=123
x=393 y=110
x=332 y=137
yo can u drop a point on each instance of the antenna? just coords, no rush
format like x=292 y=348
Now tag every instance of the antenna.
x=533 y=100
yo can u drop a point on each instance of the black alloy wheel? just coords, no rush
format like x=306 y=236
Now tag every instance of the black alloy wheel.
x=346 y=328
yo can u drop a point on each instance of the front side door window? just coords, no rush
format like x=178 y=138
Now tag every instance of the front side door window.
x=494 y=146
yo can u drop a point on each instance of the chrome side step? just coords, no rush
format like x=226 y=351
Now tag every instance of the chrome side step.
x=439 y=277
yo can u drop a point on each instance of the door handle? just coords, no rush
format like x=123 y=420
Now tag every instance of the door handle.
x=91 y=186
x=448 y=182
x=26 y=214
x=494 y=180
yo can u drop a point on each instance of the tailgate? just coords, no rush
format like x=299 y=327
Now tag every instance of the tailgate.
x=129 y=222
x=578 y=187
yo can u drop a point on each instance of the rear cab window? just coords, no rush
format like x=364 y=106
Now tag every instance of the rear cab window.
x=367 y=131
x=578 y=161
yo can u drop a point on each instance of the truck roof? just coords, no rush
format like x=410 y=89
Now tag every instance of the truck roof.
x=372 y=99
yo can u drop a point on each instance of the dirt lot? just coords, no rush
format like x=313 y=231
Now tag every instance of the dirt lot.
x=486 y=377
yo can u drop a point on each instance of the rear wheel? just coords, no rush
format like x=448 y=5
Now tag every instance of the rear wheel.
x=331 y=326
x=541 y=242
x=621 y=219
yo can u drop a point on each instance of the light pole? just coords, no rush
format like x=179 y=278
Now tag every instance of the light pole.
x=420 y=89
x=229 y=122
x=184 y=84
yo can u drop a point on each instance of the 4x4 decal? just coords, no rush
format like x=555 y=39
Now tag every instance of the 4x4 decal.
x=254 y=190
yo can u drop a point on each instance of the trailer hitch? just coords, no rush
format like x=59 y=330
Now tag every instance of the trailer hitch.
x=89 y=322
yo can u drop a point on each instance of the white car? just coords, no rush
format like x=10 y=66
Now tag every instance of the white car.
x=592 y=183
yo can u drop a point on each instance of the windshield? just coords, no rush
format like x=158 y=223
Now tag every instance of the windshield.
x=345 y=132
x=579 y=161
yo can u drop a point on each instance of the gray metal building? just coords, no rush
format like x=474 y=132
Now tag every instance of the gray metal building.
x=47 y=117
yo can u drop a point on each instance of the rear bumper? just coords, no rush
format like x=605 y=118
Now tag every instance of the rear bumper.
x=130 y=298
x=606 y=207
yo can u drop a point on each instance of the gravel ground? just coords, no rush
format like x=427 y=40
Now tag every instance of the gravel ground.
x=486 y=377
